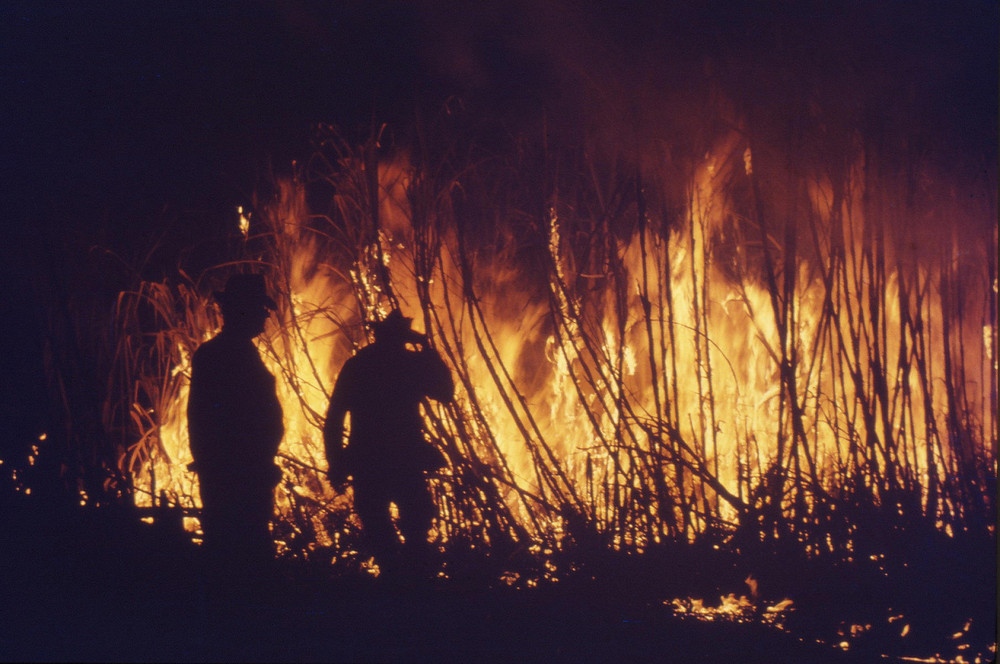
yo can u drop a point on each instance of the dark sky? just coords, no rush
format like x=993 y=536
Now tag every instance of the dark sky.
x=124 y=121
x=163 y=100
x=132 y=105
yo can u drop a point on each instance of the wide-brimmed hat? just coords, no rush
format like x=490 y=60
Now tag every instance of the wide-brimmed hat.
x=245 y=289
x=396 y=324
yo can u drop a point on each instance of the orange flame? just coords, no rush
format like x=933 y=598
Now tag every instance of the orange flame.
x=657 y=386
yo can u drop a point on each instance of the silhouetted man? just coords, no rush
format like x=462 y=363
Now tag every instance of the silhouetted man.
x=387 y=455
x=235 y=427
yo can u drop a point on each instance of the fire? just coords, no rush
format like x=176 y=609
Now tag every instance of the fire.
x=668 y=373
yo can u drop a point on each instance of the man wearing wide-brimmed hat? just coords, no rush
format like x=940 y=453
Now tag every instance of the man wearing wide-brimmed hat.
x=387 y=455
x=235 y=426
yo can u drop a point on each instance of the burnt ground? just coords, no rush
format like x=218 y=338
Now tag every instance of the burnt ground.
x=98 y=585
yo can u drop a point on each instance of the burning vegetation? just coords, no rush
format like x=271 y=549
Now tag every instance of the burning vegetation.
x=718 y=290
x=748 y=348
x=725 y=348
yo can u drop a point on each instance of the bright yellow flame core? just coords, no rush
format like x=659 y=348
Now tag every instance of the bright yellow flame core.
x=711 y=345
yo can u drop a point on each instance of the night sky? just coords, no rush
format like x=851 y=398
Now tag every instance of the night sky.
x=125 y=105
x=129 y=106
x=122 y=122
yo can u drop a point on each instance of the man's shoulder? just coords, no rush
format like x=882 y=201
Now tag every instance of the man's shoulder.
x=354 y=362
x=211 y=348
x=369 y=360
x=219 y=350
x=369 y=353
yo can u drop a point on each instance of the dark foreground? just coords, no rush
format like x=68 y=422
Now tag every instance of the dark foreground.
x=365 y=622
x=98 y=588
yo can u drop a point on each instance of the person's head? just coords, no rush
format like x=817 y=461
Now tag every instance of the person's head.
x=394 y=330
x=245 y=304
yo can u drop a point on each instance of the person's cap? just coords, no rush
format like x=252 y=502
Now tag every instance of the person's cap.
x=245 y=289
x=396 y=324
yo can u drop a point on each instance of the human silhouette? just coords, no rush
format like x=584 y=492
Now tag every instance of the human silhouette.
x=387 y=455
x=235 y=427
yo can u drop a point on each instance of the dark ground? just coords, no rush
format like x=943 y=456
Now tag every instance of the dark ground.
x=360 y=621
x=96 y=585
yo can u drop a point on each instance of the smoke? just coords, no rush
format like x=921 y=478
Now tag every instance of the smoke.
x=633 y=73
x=903 y=96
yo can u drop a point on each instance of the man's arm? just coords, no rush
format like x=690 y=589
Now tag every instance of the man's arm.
x=333 y=429
x=201 y=413
x=271 y=415
x=438 y=383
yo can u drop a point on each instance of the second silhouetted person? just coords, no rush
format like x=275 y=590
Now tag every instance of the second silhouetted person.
x=387 y=454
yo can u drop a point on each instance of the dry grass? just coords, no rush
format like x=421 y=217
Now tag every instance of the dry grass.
x=767 y=359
